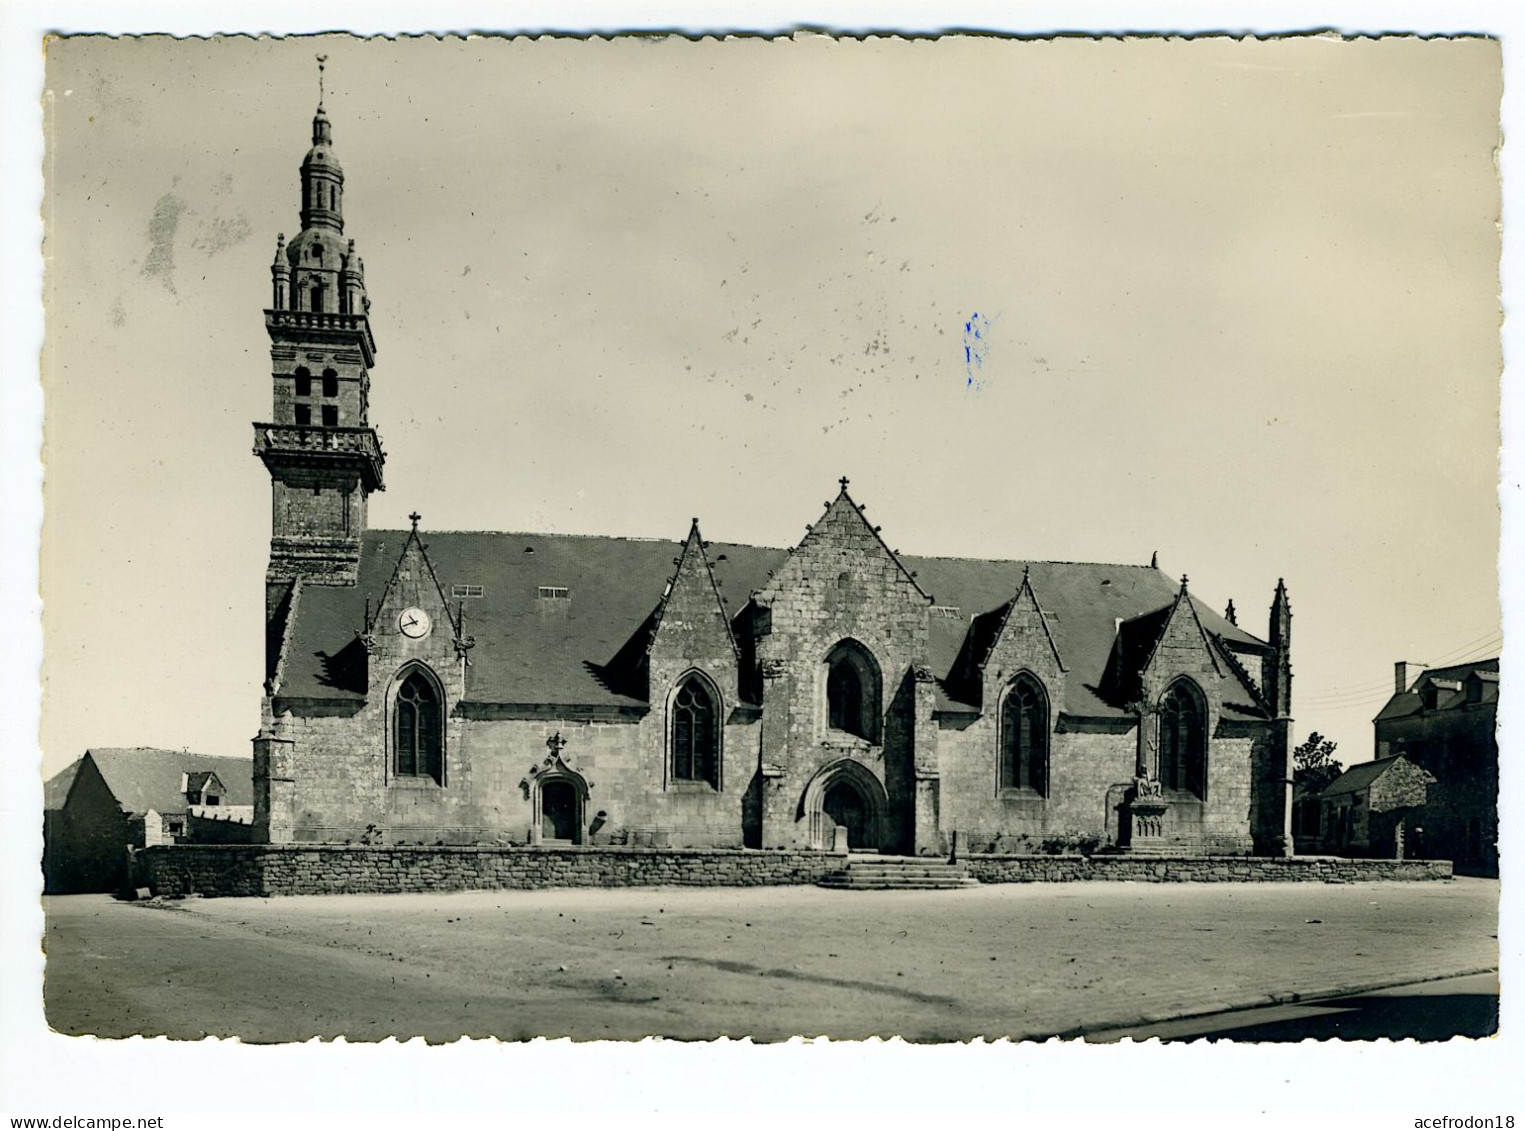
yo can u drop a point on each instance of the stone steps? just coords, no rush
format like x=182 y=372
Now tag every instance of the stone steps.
x=899 y=873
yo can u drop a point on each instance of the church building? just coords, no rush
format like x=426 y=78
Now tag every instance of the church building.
x=428 y=687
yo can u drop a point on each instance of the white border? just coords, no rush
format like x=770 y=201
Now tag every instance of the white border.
x=41 y=1072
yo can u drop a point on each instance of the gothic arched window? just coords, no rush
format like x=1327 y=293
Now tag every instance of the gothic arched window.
x=418 y=729
x=1183 y=740
x=1024 y=737
x=695 y=733
x=852 y=691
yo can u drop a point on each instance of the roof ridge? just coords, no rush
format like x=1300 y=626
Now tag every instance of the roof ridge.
x=1021 y=561
x=761 y=546
x=433 y=532
x=96 y=750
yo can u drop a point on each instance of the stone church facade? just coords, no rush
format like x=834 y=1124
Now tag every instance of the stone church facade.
x=428 y=687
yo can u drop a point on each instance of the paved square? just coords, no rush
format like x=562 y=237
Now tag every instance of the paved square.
x=1003 y=960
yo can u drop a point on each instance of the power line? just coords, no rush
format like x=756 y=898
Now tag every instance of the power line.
x=1487 y=644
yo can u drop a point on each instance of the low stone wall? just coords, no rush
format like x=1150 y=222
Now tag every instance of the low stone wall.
x=1011 y=869
x=215 y=870
x=310 y=869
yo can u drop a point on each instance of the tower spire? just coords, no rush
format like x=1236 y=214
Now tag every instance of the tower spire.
x=323 y=456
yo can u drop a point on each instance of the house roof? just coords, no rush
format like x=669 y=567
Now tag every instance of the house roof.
x=530 y=651
x=1358 y=777
x=143 y=778
x=1452 y=682
x=55 y=791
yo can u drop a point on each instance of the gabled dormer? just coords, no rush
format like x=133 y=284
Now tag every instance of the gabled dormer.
x=690 y=629
x=202 y=787
x=412 y=615
x=1023 y=643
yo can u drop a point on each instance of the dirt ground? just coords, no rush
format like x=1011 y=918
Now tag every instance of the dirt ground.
x=1004 y=960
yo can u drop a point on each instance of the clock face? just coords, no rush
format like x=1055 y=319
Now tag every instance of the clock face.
x=413 y=623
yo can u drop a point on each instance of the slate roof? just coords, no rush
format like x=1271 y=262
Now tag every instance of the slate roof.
x=55 y=791
x=564 y=653
x=528 y=649
x=143 y=778
x=1357 y=778
x=1453 y=679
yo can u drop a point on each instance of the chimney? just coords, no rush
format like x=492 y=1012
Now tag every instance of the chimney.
x=1401 y=675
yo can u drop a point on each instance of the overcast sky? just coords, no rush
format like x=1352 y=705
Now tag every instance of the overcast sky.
x=1237 y=304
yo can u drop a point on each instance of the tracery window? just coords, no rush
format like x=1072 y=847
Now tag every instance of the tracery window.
x=1183 y=740
x=418 y=738
x=852 y=691
x=1024 y=737
x=695 y=733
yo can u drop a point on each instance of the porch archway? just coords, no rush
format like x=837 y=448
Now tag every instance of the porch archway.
x=847 y=793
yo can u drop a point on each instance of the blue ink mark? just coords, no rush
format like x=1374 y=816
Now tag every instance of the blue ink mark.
x=976 y=349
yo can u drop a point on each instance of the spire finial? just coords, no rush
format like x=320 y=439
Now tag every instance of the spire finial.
x=1154 y=560
x=1026 y=569
x=1229 y=613
x=843 y=481
x=321 y=60
x=1183 y=583
x=413 y=518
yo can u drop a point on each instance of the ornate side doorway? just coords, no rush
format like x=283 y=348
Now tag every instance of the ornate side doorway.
x=560 y=812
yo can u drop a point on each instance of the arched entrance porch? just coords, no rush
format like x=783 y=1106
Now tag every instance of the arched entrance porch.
x=846 y=794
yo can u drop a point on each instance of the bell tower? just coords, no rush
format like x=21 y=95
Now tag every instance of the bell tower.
x=323 y=456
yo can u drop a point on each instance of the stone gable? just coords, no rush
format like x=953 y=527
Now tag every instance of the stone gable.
x=1023 y=643
x=692 y=629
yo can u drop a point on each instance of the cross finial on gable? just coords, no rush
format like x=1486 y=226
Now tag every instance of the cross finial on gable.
x=413 y=518
x=1183 y=583
x=843 y=481
x=556 y=742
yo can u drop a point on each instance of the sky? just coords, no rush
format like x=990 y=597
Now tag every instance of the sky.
x=1233 y=302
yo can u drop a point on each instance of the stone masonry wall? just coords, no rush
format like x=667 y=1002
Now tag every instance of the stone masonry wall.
x=343 y=788
x=1005 y=869
x=235 y=870
x=1089 y=771
x=266 y=870
x=1459 y=747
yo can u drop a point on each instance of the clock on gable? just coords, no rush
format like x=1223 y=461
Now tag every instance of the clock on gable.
x=413 y=623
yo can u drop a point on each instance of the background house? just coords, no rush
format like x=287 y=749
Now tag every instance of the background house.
x=1444 y=720
x=1370 y=809
x=113 y=799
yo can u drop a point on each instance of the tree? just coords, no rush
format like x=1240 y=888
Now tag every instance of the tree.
x=1314 y=765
